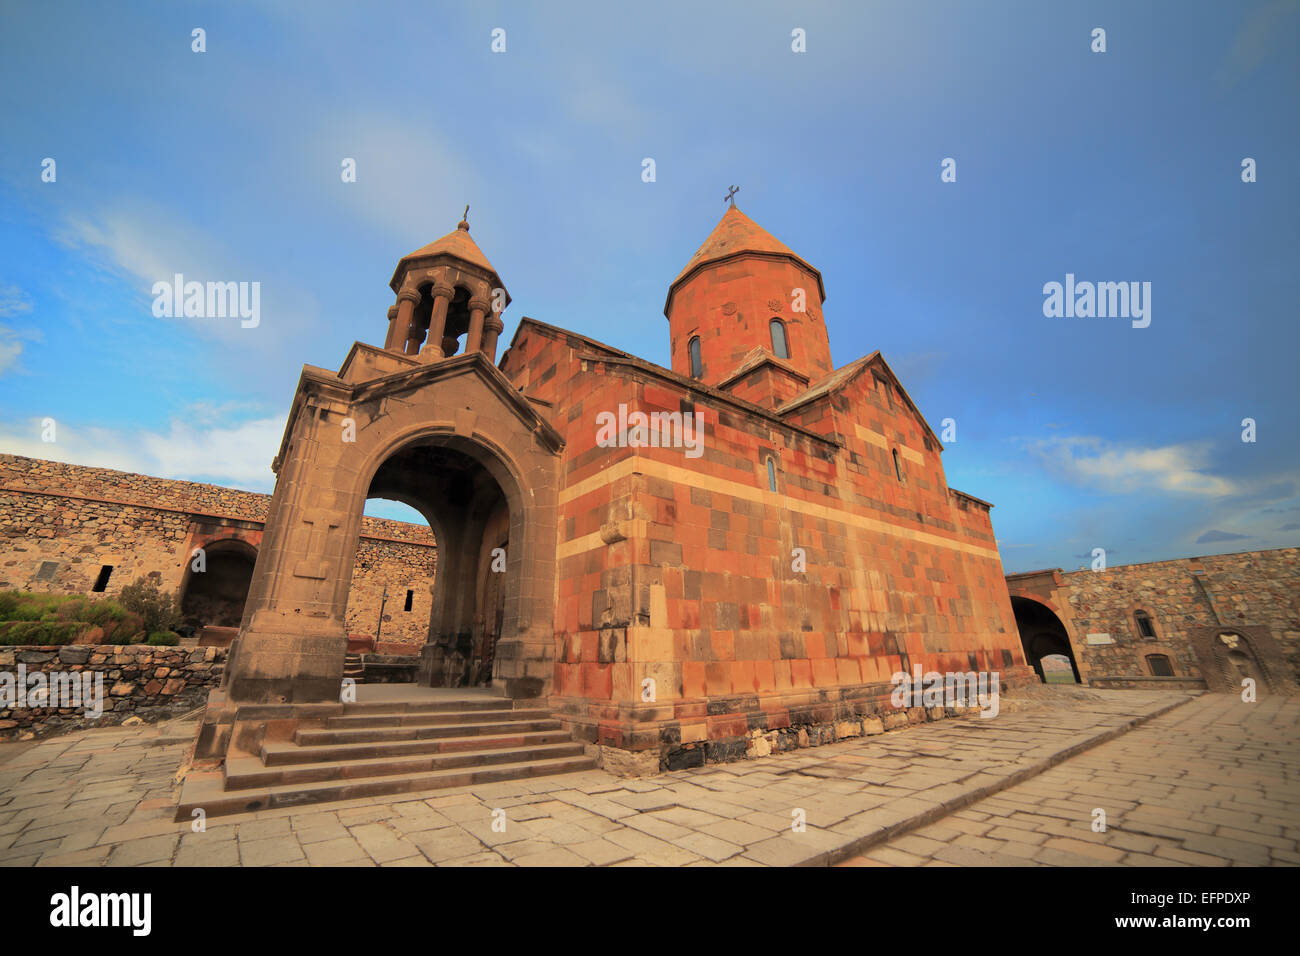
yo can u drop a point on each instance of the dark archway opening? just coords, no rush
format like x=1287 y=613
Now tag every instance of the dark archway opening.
x=1042 y=634
x=215 y=596
x=471 y=520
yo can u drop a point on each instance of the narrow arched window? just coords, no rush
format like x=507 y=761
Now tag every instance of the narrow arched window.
x=1145 y=627
x=697 y=364
x=779 y=347
x=1159 y=665
x=898 y=469
x=771 y=473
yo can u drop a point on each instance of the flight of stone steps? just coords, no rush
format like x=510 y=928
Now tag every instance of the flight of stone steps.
x=378 y=749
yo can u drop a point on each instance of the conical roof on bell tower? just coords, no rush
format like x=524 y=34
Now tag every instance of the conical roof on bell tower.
x=456 y=244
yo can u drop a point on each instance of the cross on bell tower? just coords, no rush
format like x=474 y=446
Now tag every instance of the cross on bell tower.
x=731 y=195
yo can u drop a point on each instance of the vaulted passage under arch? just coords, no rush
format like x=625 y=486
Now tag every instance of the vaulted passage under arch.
x=476 y=588
x=216 y=595
x=1042 y=634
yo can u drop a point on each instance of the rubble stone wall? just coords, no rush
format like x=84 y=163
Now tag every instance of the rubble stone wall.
x=138 y=680
x=61 y=525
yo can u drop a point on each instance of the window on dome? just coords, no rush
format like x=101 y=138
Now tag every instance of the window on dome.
x=779 y=347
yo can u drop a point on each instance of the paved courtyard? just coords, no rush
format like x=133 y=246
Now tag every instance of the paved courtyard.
x=1213 y=783
x=1183 y=780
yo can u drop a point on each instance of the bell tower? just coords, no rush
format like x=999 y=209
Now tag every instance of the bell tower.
x=743 y=301
x=446 y=290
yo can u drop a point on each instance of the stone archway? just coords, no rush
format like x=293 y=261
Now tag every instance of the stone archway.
x=446 y=479
x=215 y=595
x=1042 y=634
x=343 y=431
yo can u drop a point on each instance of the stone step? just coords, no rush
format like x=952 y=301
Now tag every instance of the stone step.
x=432 y=718
x=249 y=773
x=279 y=753
x=371 y=735
x=366 y=708
x=206 y=791
x=352 y=668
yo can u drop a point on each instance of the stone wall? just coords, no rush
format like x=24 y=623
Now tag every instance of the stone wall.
x=61 y=525
x=140 y=681
x=402 y=569
x=1189 y=602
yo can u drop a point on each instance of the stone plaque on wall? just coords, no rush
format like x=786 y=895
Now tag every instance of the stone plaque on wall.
x=1100 y=639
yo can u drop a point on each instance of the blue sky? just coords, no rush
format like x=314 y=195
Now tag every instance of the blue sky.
x=1115 y=166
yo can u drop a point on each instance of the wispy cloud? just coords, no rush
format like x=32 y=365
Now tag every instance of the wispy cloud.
x=13 y=302
x=1106 y=466
x=10 y=349
x=144 y=243
x=1210 y=537
x=412 y=181
x=194 y=447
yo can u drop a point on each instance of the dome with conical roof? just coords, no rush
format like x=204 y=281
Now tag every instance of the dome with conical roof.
x=745 y=290
x=734 y=235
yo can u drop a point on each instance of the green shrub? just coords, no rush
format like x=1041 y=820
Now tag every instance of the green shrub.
x=58 y=618
x=103 y=613
x=156 y=607
x=41 y=632
x=72 y=609
x=121 y=630
x=163 y=639
x=31 y=607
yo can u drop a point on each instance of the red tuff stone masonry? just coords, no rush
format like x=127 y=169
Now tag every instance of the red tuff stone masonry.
x=704 y=614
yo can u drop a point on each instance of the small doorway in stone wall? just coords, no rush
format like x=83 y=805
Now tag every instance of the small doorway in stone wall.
x=1042 y=635
x=216 y=583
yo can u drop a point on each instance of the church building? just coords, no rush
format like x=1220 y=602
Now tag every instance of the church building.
x=719 y=559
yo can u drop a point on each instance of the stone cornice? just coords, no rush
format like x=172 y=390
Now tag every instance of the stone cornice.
x=322 y=384
x=741 y=254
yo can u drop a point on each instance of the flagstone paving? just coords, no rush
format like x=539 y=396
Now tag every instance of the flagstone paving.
x=1214 y=783
x=108 y=797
